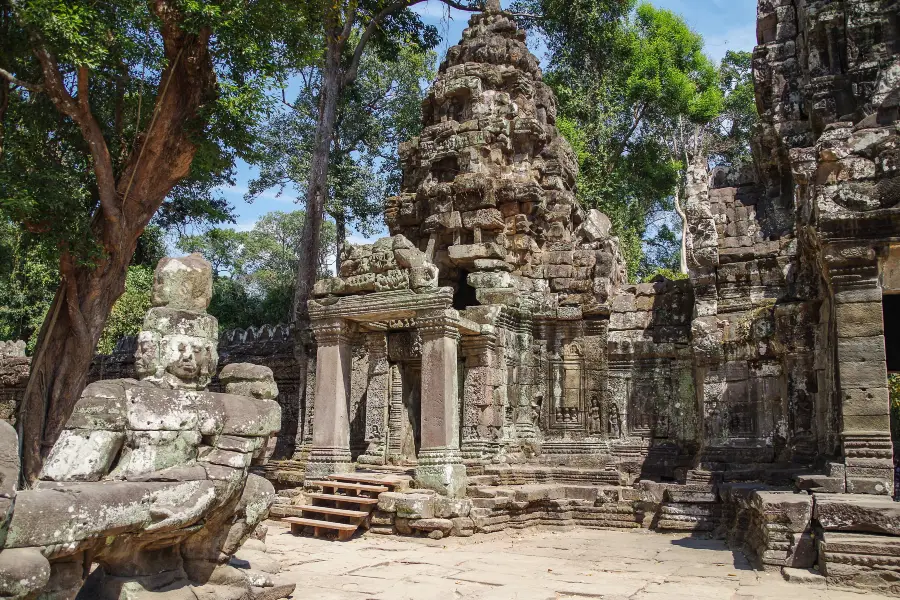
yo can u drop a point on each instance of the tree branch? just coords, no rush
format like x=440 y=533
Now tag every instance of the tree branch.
x=353 y=67
x=286 y=103
x=639 y=115
x=79 y=111
x=31 y=87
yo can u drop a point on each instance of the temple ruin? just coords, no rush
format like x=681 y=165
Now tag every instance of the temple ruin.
x=488 y=366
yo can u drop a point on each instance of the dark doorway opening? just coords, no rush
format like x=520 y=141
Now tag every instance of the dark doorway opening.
x=890 y=304
x=465 y=293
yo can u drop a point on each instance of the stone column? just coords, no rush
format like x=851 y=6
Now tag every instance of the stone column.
x=395 y=416
x=862 y=372
x=377 y=400
x=440 y=466
x=479 y=413
x=330 y=451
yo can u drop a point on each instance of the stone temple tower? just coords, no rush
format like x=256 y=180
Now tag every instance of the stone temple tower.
x=488 y=189
x=483 y=319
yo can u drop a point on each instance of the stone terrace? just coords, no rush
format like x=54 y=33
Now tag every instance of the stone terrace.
x=534 y=565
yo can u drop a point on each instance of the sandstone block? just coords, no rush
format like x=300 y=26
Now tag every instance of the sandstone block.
x=855 y=512
x=860 y=319
x=790 y=510
x=183 y=283
x=443 y=525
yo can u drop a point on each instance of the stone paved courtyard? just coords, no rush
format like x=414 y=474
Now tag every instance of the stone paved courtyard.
x=533 y=565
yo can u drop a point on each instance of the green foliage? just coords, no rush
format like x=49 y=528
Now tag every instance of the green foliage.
x=623 y=74
x=894 y=390
x=128 y=313
x=254 y=271
x=730 y=144
x=378 y=111
x=664 y=273
x=47 y=181
x=28 y=280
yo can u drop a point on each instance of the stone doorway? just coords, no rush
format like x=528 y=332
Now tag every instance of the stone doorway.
x=410 y=429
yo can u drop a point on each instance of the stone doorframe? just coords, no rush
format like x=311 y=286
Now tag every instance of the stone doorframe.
x=854 y=276
x=333 y=320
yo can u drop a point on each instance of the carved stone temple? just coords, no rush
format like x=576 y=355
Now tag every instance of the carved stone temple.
x=492 y=348
x=491 y=365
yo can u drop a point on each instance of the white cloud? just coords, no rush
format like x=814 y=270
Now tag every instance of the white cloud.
x=271 y=194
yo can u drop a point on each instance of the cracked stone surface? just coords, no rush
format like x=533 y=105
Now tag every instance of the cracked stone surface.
x=531 y=565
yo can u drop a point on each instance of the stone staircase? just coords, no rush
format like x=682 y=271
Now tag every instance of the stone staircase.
x=344 y=504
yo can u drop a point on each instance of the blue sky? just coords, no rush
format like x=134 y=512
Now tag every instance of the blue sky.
x=724 y=25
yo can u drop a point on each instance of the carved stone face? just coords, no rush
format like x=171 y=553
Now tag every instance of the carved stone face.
x=146 y=357
x=189 y=361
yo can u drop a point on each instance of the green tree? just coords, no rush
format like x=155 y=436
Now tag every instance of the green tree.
x=734 y=126
x=622 y=73
x=109 y=108
x=346 y=30
x=381 y=108
x=28 y=280
x=128 y=312
x=253 y=271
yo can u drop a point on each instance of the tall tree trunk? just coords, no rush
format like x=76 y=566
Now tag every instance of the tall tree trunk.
x=316 y=193
x=684 y=232
x=340 y=238
x=128 y=201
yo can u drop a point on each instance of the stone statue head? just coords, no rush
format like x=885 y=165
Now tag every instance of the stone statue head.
x=177 y=347
x=189 y=361
x=146 y=357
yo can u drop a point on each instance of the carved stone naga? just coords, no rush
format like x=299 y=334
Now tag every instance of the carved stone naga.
x=148 y=488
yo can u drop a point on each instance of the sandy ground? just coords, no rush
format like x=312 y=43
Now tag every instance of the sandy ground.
x=529 y=565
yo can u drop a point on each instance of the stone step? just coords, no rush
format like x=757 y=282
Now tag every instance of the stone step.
x=307 y=522
x=341 y=512
x=820 y=483
x=346 y=499
x=368 y=478
x=807 y=577
x=338 y=485
x=344 y=531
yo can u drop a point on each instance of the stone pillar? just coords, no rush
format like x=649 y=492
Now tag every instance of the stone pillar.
x=440 y=466
x=330 y=452
x=480 y=417
x=395 y=416
x=377 y=400
x=862 y=372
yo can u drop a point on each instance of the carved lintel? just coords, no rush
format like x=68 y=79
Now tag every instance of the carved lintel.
x=333 y=331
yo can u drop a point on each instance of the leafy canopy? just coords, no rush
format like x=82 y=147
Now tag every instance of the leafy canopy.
x=47 y=182
x=376 y=112
x=254 y=271
x=622 y=73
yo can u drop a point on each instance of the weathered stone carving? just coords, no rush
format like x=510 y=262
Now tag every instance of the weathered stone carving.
x=14 y=369
x=149 y=479
x=492 y=340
